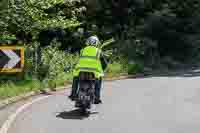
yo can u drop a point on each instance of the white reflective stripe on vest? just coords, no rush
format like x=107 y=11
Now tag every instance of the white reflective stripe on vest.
x=87 y=68
x=90 y=57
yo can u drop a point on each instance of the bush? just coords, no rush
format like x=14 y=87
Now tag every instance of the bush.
x=51 y=70
x=55 y=62
x=114 y=68
x=134 y=68
x=118 y=66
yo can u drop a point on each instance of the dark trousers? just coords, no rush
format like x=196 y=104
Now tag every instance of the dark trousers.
x=74 y=86
x=98 y=86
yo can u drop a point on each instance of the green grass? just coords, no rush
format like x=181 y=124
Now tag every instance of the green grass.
x=115 y=69
x=11 y=89
x=15 y=88
x=135 y=68
x=60 y=80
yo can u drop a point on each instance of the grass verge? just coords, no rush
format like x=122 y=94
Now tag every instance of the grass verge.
x=12 y=89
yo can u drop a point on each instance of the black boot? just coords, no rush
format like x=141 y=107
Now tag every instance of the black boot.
x=97 y=101
x=74 y=89
x=72 y=97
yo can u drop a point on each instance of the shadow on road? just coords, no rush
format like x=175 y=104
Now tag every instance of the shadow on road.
x=193 y=72
x=74 y=114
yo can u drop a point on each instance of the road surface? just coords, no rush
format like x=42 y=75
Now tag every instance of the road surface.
x=145 y=105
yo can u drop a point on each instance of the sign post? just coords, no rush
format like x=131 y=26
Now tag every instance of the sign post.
x=11 y=59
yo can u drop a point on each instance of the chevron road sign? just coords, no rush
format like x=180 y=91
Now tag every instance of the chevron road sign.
x=11 y=59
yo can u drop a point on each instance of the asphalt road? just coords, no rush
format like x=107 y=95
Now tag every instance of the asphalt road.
x=146 y=105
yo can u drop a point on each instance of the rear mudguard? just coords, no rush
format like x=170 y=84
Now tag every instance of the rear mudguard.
x=86 y=94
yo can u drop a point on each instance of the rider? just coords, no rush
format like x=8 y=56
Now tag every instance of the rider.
x=90 y=60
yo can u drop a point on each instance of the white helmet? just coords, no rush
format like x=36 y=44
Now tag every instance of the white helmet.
x=93 y=40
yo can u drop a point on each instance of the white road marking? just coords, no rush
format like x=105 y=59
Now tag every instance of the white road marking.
x=11 y=118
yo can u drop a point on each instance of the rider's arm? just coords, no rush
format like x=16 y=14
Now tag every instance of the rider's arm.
x=104 y=62
x=81 y=51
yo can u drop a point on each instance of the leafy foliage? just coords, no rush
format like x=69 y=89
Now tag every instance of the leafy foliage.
x=146 y=32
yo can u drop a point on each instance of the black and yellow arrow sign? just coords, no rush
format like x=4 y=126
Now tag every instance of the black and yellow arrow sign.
x=11 y=59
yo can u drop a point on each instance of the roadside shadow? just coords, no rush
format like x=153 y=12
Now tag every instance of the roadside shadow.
x=74 y=114
x=194 y=72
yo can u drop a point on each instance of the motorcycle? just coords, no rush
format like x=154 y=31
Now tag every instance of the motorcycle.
x=86 y=91
x=86 y=85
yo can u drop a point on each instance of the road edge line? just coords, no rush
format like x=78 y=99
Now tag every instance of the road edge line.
x=7 y=124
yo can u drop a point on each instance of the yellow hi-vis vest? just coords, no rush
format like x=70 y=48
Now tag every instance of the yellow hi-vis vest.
x=89 y=62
